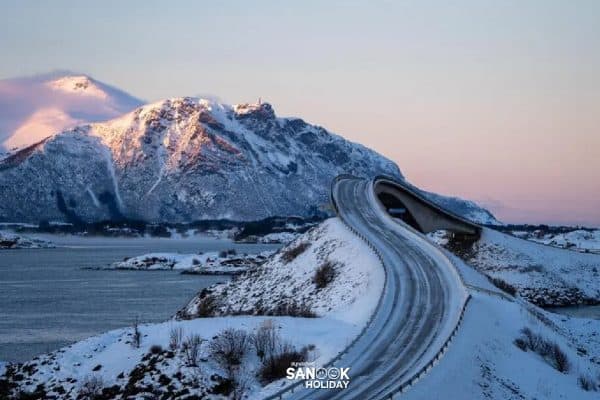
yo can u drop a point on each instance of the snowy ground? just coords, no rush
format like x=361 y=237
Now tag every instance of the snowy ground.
x=10 y=240
x=545 y=275
x=277 y=237
x=207 y=263
x=279 y=284
x=484 y=363
x=585 y=241
x=112 y=359
x=343 y=307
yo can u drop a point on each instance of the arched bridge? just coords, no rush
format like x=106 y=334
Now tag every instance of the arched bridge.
x=423 y=298
x=402 y=201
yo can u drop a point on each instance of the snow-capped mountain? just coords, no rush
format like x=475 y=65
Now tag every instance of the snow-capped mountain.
x=34 y=108
x=184 y=159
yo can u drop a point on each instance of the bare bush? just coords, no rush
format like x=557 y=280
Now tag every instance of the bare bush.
x=561 y=361
x=547 y=349
x=324 y=275
x=587 y=383
x=521 y=344
x=290 y=253
x=274 y=365
x=241 y=384
x=175 y=338
x=91 y=387
x=136 y=336
x=292 y=309
x=229 y=347
x=504 y=286
x=266 y=339
x=207 y=307
x=156 y=349
x=191 y=349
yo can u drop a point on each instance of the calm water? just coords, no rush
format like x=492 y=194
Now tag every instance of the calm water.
x=592 y=312
x=47 y=300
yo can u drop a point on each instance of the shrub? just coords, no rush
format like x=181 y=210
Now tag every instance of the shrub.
x=290 y=253
x=175 y=338
x=324 y=275
x=156 y=349
x=136 y=336
x=224 y=386
x=191 y=349
x=223 y=254
x=266 y=339
x=521 y=344
x=587 y=383
x=229 y=347
x=293 y=309
x=231 y=252
x=275 y=365
x=207 y=307
x=91 y=387
x=547 y=349
x=504 y=286
x=561 y=361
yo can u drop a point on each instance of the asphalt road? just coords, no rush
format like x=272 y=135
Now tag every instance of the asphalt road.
x=419 y=306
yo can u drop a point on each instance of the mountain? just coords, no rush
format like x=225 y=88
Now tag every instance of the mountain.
x=465 y=208
x=181 y=160
x=34 y=108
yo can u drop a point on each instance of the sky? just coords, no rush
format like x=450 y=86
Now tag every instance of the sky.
x=495 y=101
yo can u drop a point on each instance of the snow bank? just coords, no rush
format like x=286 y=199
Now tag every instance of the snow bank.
x=111 y=357
x=579 y=239
x=483 y=361
x=12 y=241
x=545 y=275
x=206 y=263
x=351 y=296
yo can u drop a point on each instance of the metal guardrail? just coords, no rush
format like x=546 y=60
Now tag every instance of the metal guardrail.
x=290 y=388
x=403 y=387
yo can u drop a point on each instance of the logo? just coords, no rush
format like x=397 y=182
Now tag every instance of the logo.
x=318 y=377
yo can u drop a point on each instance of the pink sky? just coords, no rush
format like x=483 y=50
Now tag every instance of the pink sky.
x=532 y=161
x=497 y=101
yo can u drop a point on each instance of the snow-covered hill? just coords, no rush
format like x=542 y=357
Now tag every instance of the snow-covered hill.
x=289 y=276
x=186 y=159
x=585 y=241
x=545 y=275
x=34 y=108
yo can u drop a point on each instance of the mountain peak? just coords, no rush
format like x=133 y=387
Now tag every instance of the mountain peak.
x=256 y=110
x=43 y=105
x=78 y=84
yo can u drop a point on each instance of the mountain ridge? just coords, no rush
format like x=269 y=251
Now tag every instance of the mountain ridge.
x=186 y=159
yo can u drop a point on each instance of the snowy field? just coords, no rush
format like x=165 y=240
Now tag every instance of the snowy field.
x=545 y=275
x=579 y=240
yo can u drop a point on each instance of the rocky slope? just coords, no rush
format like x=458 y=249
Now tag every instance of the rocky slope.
x=182 y=160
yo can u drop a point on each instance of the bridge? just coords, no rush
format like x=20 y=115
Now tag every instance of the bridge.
x=423 y=299
x=401 y=200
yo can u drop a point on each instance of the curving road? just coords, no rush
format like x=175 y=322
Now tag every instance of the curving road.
x=419 y=308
